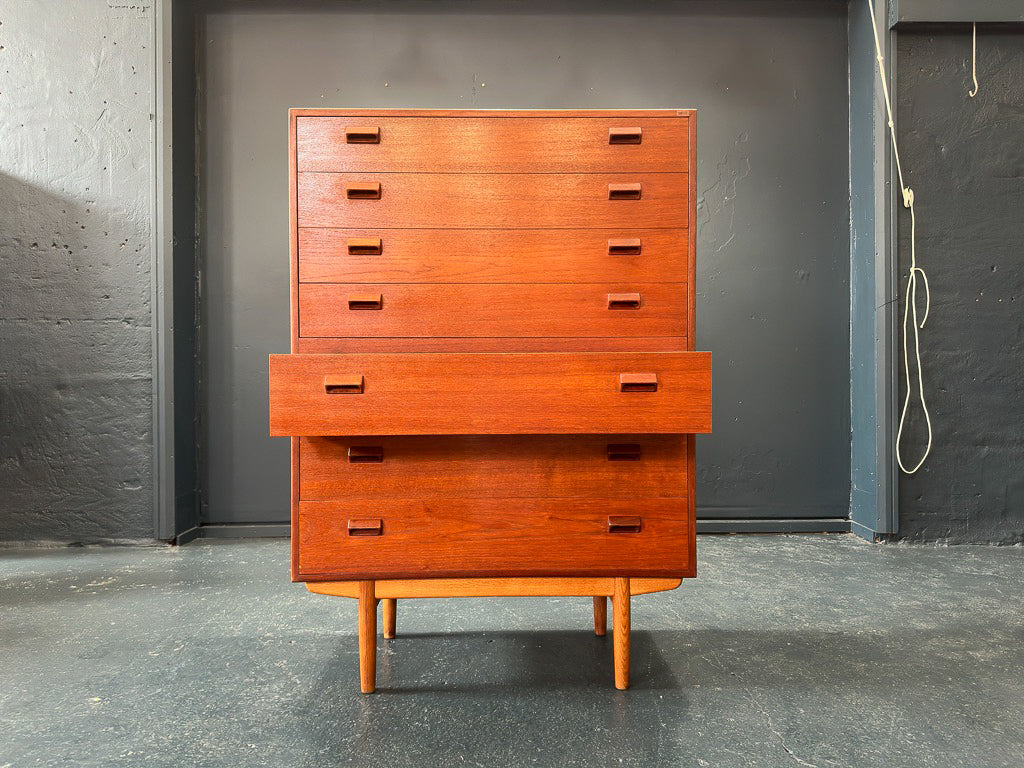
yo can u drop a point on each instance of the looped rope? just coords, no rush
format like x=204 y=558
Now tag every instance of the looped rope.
x=911 y=326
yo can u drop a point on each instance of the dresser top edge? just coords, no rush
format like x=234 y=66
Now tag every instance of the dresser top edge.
x=335 y=112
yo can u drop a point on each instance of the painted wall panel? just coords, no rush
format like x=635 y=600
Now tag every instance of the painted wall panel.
x=770 y=81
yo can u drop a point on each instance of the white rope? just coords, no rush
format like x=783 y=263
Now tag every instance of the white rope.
x=974 y=60
x=910 y=302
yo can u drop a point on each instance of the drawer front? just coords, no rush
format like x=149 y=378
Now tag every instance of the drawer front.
x=531 y=310
x=524 y=466
x=339 y=345
x=452 y=537
x=490 y=394
x=447 y=201
x=492 y=256
x=492 y=144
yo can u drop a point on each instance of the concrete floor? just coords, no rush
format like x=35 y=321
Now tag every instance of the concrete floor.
x=786 y=651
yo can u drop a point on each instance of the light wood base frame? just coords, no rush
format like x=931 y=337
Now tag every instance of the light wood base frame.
x=388 y=592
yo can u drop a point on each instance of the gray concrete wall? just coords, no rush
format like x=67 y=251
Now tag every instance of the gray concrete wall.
x=965 y=161
x=76 y=169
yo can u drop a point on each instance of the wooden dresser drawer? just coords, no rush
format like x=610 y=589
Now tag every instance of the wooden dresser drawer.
x=341 y=345
x=492 y=144
x=485 y=200
x=461 y=310
x=452 y=537
x=492 y=256
x=500 y=466
x=487 y=394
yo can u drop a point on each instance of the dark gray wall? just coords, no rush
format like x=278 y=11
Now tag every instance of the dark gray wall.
x=75 y=338
x=770 y=81
x=965 y=159
x=185 y=277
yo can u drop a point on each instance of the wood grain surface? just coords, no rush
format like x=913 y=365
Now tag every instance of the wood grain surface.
x=367 y=637
x=537 y=586
x=487 y=394
x=600 y=615
x=492 y=200
x=502 y=466
x=492 y=145
x=511 y=310
x=389 y=616
x=320 y=345
x=489 y=537
x=621 y=610
x=493 y=256
x=620 y=116
x=494 y=231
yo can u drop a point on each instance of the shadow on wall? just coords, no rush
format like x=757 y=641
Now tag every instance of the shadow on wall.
x=75 y=371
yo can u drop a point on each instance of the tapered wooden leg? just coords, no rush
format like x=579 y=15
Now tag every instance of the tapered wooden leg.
x=622 y=631
x=389 y=607
x=600 y=615
x=367 y=637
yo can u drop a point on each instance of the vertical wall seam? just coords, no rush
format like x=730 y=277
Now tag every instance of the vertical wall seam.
x=853 y=255
x=156 y=326
x=889 y=513
x=162 y=289
x=199 y=267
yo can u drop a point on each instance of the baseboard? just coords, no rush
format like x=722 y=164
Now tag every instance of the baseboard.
x=777 y=525
x=246 y=531
x=781 y=525
x=868 y=534
x=185 y=537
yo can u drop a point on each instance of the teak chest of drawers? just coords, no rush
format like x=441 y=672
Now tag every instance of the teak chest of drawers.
x=493 y=388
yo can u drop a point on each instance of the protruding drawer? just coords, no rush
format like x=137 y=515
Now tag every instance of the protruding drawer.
x=457 y=537
x=492 y=256
x=476 y=310
x=492 y=144
x=501 y=466
x=487 y=394
x=492 y=200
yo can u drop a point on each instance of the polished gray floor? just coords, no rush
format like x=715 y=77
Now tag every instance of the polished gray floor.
x=786 y=651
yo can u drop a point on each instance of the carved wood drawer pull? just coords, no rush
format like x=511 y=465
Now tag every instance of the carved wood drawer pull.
x=638 y=382
x=365 y=300
x=363 y=190
x=624 y=452
x=365 y=454
x=343 y=385
x=362 y=134
x=362 y=246
x=624 y=191
x=624 y=301
x=624 y=246
x=623 y=524
x=632 y=135
x=366 y=527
